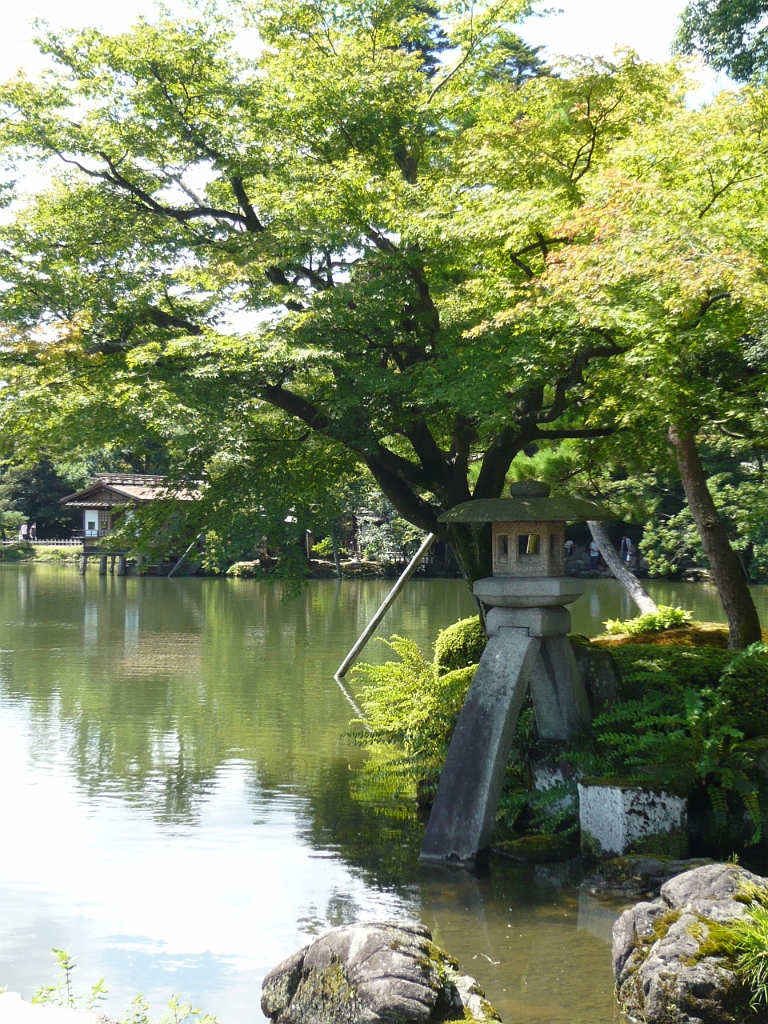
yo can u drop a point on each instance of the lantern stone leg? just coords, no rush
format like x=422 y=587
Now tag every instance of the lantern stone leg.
x=464 y=811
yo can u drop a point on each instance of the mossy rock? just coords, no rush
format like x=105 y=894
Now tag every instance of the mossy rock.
x=460 y=645
x=642 y=668
x=538 y=849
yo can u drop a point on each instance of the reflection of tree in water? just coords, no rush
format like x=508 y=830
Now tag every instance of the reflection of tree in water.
x=173 y=683
x=373 y=834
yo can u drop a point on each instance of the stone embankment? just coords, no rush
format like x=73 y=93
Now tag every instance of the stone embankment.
x=667 y=963
x=373 y=973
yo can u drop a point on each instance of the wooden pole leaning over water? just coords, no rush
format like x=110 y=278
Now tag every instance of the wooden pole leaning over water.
x=180 y=562
x=370 y=629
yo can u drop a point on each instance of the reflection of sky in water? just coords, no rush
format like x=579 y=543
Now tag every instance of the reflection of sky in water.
x=175 y=796
x=142 y=901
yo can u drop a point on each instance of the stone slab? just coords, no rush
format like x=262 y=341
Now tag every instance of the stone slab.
x=464 y=811
x=533 y=592
x=538 y=621
x=614 y=818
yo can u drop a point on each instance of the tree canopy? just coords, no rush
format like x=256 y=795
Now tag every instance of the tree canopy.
x=390 y=239
x=282 y=263
x=731 y=35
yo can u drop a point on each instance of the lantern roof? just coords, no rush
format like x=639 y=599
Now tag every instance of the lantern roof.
x=529 y=503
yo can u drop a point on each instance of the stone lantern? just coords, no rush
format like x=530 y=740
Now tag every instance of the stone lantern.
x=528 y=648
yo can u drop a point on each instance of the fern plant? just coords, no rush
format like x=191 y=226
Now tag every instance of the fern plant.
x=681 y=741
x=664 y=618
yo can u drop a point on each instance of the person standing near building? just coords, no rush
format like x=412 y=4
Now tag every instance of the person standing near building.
x=23 y=532
x=33 y=531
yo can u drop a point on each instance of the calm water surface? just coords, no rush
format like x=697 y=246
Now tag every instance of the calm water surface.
x=179 y=805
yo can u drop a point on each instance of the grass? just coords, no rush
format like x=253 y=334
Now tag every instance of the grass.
x=53 y=553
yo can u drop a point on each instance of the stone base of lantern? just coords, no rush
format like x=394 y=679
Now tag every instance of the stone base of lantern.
x=527 y=648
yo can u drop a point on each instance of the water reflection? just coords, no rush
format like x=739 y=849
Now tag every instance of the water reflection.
x=176 y=796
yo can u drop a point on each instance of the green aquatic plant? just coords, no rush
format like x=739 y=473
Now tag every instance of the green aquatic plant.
x=664 y=618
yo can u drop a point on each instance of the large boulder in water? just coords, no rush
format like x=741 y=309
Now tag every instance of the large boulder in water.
x=379 y=971
x=664 y=973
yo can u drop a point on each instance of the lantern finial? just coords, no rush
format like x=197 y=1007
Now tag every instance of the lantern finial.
x=529 y=489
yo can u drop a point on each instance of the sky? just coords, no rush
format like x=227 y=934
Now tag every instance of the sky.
x=583 y=26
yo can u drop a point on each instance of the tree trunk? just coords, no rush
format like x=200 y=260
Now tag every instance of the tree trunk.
x=336 y=558
x=631 y=584
x=727 y=570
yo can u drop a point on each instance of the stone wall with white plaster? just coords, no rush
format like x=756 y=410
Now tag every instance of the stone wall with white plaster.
x=614 y=818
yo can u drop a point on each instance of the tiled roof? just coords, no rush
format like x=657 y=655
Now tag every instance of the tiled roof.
x=109 y=490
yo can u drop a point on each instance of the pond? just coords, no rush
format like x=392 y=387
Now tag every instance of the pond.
x=181 y=808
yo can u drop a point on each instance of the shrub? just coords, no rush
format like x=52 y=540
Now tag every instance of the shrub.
x=681 y=739
x=411 y=712
x=744 y=684
x=652 y=622
x=245 y=570
x=459 y=645
x=642 y=669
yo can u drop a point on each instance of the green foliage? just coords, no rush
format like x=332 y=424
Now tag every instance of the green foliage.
x=667 y=669
x=63 y=994
x=730 y=34
x=460 y=645
x=410 y=710
x=261 y=267
x=651 y=622
x=324 y=548
x=680 y=740
x=744 y=684
x=744 y=943
x=23 y=552
x=670 y=540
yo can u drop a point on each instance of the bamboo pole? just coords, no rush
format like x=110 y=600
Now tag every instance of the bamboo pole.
x=370 y=629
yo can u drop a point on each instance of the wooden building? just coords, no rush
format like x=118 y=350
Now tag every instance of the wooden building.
x=106 y=499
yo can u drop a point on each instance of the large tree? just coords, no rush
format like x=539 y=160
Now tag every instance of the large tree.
x=282 y=262
x=667 y=258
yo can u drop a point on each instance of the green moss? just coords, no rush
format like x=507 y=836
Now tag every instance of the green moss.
x=537 y=849
x=642 y=669
x=667 y=844
x=663 y=923
x=460 y=645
